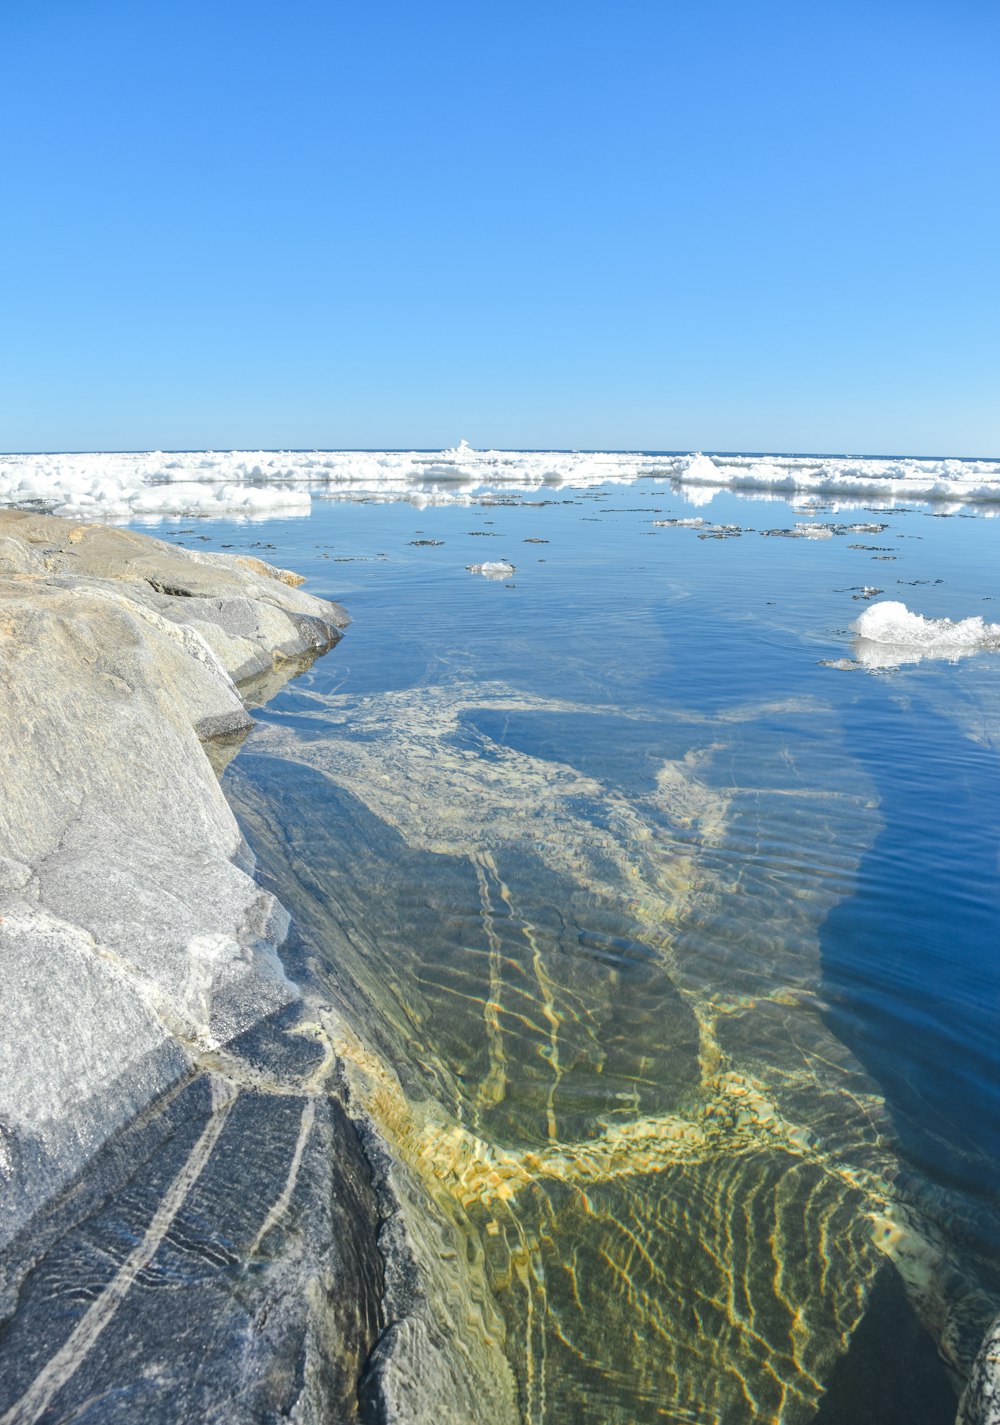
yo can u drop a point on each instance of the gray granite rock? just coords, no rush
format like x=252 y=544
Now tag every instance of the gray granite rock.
x=195 y=1221
x=217 y=1262
x=132 y=936
x=250 y=614
x=981 y=1398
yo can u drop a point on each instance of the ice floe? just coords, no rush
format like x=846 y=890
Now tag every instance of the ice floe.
x=889 y=634
x=874 y=480
x=492 y=569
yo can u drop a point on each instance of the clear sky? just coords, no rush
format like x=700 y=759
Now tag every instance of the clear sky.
x=723 y=224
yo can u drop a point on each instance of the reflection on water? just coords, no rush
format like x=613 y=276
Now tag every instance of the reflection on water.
x=574 y=949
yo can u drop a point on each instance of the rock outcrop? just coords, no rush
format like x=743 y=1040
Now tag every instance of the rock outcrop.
x=196 y=1223
x=981 y=1398
x=131 y=935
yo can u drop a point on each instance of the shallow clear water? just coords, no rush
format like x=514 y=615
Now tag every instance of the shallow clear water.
x=679 y=940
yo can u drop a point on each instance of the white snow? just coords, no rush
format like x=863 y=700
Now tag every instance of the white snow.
x=890 y=634
x=152 y=484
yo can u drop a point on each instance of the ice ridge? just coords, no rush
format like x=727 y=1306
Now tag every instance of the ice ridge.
x=154 y=484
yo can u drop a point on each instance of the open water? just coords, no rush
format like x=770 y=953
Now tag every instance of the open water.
x=675 y=926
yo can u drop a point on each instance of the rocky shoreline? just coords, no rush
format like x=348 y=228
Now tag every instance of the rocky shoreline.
x=199 y=1219
x=194 y=1225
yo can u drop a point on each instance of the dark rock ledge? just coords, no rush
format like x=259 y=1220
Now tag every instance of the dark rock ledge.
x=194 y=1226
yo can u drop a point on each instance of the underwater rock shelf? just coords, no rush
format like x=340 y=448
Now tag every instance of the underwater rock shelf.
x=190 y=1223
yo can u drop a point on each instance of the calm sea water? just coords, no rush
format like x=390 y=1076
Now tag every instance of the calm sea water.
x=680 y=942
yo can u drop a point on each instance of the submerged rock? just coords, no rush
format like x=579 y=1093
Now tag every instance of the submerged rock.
x=609 y=1150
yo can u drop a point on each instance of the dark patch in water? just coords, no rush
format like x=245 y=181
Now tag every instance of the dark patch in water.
x=891 y=1373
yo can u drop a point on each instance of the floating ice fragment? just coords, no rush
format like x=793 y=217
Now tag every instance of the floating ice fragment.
x=804 y=531
x=890 y=634
x=492 y=569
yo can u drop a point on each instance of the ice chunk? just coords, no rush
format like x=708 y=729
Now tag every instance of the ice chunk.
x=492 y=569
x=890 y=634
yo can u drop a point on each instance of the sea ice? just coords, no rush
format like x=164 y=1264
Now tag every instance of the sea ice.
x=152 y=484
x=492 y=569
x=956 y=482
x=890 y=634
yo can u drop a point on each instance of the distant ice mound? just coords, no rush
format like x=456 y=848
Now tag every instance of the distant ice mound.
x=949 y=483
x=890 y=634
x=492 y=569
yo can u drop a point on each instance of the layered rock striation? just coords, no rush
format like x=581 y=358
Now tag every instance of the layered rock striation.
x=196 y=1222
x=132 y=936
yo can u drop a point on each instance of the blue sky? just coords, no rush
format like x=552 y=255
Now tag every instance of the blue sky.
x=644 y=225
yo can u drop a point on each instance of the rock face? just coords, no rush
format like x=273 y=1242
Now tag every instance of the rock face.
x=196 y=1223
x=135 y=948
x=252 y=616
x=131 y=935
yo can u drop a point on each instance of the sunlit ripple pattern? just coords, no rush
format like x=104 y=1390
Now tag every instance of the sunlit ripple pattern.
x=592 y=1030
